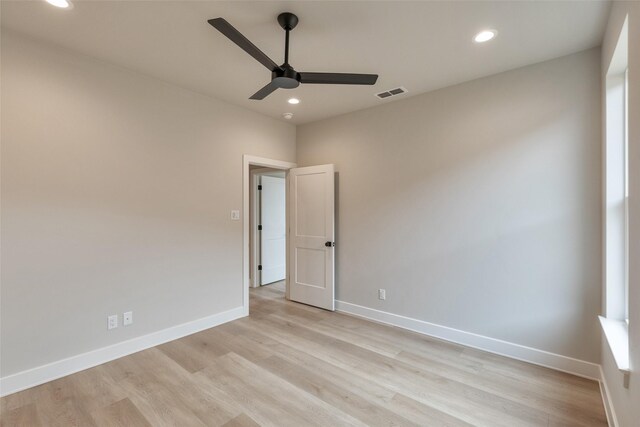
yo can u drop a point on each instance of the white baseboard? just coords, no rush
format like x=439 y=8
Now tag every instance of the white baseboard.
x=61 y=368
x=606 y=399
x=515 y=351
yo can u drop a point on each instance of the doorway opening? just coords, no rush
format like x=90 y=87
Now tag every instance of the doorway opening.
x=255 y=168
x=268 y=226
x=309 y=242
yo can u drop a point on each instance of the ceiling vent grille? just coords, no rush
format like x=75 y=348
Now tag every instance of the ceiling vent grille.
x=391 y=92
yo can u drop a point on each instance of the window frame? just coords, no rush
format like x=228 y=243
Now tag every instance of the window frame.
x=615 y=319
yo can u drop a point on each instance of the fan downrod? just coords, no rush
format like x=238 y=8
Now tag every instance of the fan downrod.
x=286 y=77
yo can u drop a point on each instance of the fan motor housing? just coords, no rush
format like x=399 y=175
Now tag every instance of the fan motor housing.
x=288 y=78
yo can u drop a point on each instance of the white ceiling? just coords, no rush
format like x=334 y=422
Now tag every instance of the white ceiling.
x=419 y=45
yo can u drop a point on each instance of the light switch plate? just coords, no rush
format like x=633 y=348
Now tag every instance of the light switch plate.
x=235 y=215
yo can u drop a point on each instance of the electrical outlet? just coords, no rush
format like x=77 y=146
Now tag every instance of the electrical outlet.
x=235 y=215
x=382 y=294
x=127 y=318
x=112 y=321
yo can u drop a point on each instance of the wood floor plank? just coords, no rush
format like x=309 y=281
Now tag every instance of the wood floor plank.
x=167 y=383
x=568 y=406
x=290 y=364
x=65 y=413
x=325 y=389
x=149 y=391
x=122 y=413
x=193 y=353
x=243 y=379
x=538 y=375
x=23 y=416
x=234 y=343
x=242 y=420
x=378 y=346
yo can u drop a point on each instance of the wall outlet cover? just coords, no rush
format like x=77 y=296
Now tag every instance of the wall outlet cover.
x=127 y=318
x=112 y=321
x=382 y=294
x=235 y=215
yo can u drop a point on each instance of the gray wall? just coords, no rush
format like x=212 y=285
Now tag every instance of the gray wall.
x=477 y=206
x=116 y=192
x=626 y=402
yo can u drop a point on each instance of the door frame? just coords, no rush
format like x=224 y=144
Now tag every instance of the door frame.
x=247 y=161
x=254 y=218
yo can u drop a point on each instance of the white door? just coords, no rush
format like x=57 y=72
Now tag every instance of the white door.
x=312 y=236
x=273 y=236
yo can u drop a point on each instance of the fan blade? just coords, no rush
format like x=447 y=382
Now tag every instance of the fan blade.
x=264 y=92
x=339 y=78
x=235 y=36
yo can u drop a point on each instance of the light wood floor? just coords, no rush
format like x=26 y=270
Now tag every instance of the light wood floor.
x=293 y=365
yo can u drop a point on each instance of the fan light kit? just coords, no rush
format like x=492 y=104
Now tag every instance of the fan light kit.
x=62 y=4
x=485 y=36
x=285 y=76
x=287 y=116
x=294 y=101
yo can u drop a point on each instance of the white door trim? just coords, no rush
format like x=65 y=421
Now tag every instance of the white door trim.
x=254 y=175
x=249 y=160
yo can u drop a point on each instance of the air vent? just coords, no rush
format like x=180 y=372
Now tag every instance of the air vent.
x=391 y=92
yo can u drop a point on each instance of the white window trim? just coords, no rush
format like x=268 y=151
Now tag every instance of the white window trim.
x=626 y=194
x=617 y=334
x=615 y=325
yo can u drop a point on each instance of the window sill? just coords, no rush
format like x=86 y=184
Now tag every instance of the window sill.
x=617 y=334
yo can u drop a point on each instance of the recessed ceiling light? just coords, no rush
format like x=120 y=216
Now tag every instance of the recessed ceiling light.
x=63 y=4
x=294 y=101
x=484 y=36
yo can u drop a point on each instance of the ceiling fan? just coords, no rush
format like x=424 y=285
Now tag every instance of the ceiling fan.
x=285 y=76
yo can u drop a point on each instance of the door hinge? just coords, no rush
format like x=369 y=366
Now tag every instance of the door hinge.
x=259 y=187
x=259 y=267
x=259 y=228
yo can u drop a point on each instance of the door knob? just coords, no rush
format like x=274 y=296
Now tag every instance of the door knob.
x=330 y=244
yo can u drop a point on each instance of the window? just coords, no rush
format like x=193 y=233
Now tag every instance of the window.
x=617 y=184
x=616 y=215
